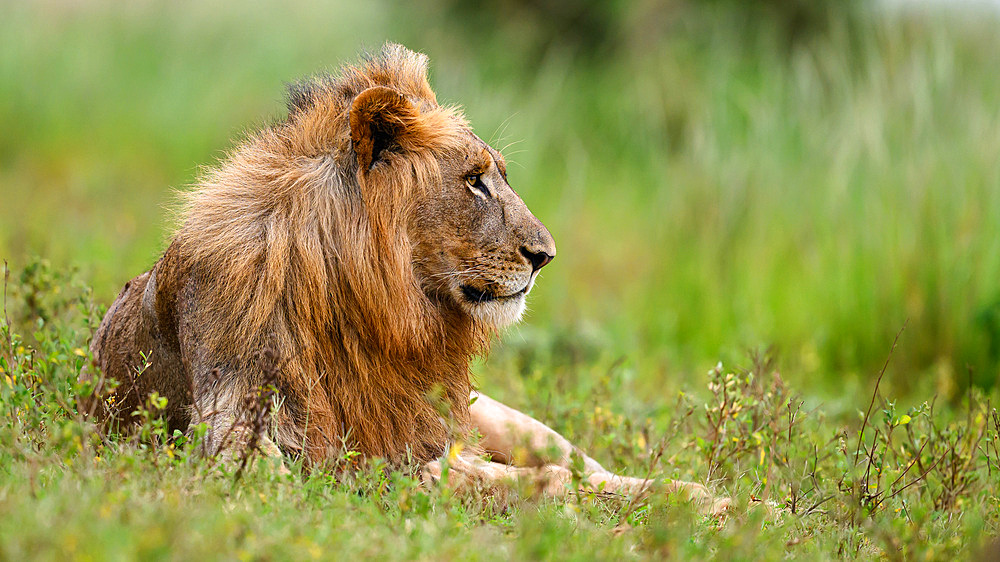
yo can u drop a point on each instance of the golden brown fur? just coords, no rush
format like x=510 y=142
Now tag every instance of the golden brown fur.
x=339 y=240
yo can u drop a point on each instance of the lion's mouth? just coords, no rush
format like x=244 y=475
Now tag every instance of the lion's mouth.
x=479 y=296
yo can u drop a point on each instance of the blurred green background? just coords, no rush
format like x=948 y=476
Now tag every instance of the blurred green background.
x=719 y=176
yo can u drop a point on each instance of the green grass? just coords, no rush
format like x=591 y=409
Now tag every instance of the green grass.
x=713 y=190
x=919 y=481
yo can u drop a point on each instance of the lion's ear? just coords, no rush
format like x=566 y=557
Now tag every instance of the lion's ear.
x=380 y=118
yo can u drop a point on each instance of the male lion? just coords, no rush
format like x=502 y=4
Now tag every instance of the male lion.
x=371 y=244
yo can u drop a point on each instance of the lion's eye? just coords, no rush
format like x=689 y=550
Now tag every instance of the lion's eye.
x=475 y=181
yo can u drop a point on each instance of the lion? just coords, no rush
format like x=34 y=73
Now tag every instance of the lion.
x=371 y=244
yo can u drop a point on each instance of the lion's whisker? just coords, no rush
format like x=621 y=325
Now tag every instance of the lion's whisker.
x=501 y=129
x=508 y=145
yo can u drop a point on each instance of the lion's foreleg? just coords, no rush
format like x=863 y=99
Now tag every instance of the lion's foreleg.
x=540 y=453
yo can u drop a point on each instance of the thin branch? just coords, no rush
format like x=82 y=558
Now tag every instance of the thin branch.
x=861 y=435
x=6 y=319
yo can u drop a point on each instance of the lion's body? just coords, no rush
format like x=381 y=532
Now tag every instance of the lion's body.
x=286 y=247
x=354 y=258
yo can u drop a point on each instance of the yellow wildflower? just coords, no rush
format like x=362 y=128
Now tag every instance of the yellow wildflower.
x=456 y=449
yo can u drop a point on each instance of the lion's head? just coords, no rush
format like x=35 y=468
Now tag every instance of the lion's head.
x=373 y=237
x=474 y=241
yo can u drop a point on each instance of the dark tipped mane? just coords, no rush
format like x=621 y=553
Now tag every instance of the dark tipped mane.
x=301 y=94
x=393 y=67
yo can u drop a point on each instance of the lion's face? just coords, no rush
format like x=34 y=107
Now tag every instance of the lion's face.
x=476 y=242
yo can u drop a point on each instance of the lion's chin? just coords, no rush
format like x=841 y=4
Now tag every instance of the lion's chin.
x=497 y=313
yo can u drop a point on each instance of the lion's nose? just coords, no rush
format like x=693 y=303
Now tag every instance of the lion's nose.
x=538 y=257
